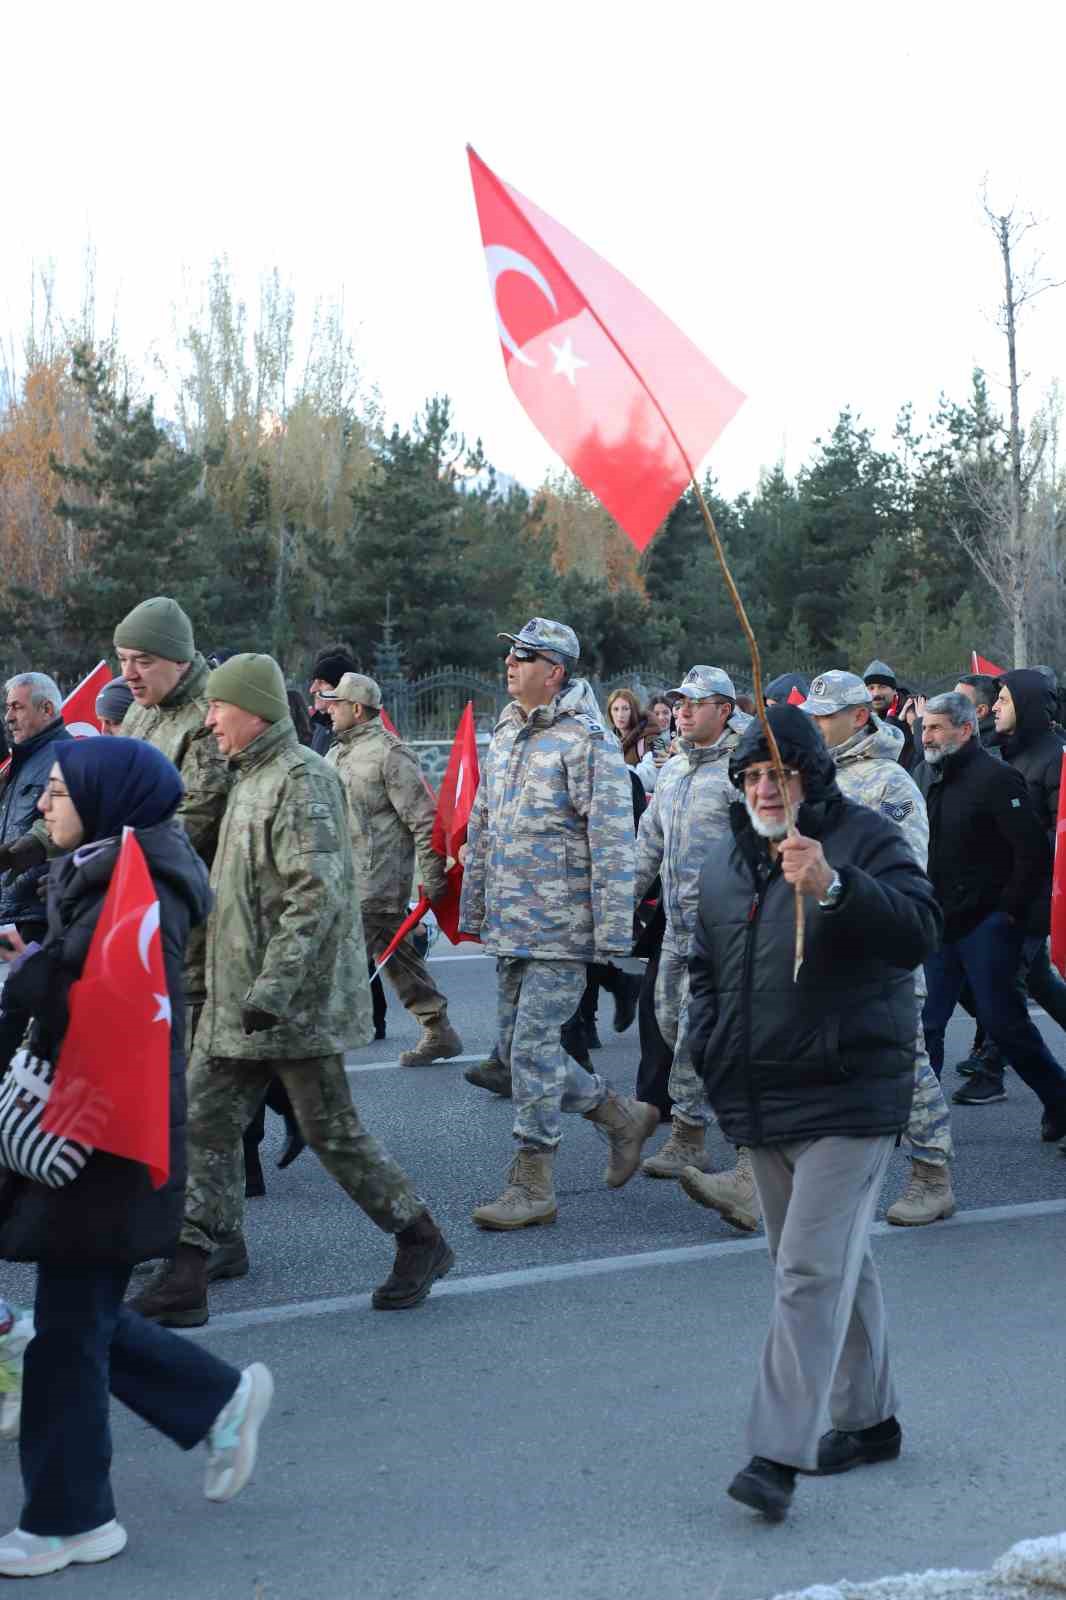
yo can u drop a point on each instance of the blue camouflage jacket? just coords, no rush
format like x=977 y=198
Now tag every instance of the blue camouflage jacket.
x=549 y=864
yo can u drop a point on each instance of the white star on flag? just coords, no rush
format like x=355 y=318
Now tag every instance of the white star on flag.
x=163 y=1014
x=566 y=362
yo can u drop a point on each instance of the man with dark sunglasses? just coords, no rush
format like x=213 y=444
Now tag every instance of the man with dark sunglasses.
x=548 y=886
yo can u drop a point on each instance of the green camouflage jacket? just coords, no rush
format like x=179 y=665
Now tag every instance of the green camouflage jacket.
x=390 y=814
x=549 y=866
x=286 y=935
x=176 y=728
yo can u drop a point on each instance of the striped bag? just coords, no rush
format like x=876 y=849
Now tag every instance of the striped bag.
x=25 y=1148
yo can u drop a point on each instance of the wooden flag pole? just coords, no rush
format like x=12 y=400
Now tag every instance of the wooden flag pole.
x=760 y=704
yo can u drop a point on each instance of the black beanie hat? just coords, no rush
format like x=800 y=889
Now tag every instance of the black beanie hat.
x=331 y=664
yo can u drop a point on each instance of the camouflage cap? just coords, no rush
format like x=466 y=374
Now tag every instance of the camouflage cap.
x=357 y=689
x=542 y=634
x=836 y=691
x=700 y=683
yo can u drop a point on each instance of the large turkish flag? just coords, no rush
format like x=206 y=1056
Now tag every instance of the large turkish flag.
x=616 y=389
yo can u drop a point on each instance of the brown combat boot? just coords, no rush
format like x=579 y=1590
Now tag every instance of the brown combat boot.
x=439 y=1042
x=422 y=1256
x=732 y=1194
x=529 y=1197
x=176 y=1296
x=490 y=1074
x=928 y=1197
x=684 y=1148
x=627 y=1124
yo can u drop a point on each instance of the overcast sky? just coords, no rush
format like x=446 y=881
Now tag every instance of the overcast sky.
x=797 y=186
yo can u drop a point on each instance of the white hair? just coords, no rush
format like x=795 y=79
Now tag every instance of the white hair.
x=43 y=689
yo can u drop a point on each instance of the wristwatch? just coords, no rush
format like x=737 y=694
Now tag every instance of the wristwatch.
x=832 y=894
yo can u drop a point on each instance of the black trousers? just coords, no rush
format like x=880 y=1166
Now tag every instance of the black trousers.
x=656 y=1057
x=88 y=1346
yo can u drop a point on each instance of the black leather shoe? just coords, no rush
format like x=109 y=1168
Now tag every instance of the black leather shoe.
x=839 y=1452
x=765 y=1486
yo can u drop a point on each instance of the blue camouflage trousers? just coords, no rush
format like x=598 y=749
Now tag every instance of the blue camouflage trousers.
x=671 y=1013
x=928 y=1129
x=534 y=999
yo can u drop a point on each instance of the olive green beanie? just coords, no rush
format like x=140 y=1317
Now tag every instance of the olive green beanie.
x=252 y=682
x=158 y=626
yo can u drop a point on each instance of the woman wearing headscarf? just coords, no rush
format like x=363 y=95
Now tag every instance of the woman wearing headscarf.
x=87 y=1236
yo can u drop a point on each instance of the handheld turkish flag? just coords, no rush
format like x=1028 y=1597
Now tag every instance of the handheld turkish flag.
x=112 y=1079
x=1058 y=882
x=616 y=389
x=988 y=668
x=79 y=708
x=387 y=722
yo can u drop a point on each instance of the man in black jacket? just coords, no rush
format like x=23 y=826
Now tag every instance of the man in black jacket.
x=990 y=864
x=34 y=726
x=815 y=1074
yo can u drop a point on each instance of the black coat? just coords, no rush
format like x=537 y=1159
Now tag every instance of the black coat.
x=110 y=1213
x=31 y=762
x=987 y=850
x=1034 y=749
x=833 y=1052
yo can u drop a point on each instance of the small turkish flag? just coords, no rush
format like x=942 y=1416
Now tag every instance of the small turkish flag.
x=456 y=798
x=616 y=389
x=79 y=708
x=988 y=668
x=112 y=1079
x=1058 y=882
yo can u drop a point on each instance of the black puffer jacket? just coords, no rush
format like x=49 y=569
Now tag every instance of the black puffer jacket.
x=832 y=1052
x=110 y=1213
x=1034 y=749
x=987 y=850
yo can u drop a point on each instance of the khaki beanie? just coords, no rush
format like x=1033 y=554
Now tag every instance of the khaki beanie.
x=158 y=626
x=252 y=682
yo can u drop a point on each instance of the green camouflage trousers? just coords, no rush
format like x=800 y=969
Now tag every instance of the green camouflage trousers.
x=929 y=1129
x=685 y=1087
x=406 y=971
x=534 y=999
x=224 y=1093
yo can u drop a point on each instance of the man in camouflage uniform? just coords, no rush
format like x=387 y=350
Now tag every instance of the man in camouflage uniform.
x=548 y=886
x=866 y=752
x=390 y=812
x=286 y=993
x=687 y=812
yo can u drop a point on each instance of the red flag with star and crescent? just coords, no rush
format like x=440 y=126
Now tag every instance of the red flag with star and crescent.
x=614 y=386
x=112 y=1080
x=1058 y=881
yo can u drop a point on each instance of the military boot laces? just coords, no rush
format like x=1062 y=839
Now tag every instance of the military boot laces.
x=928 y=1197
x=439 y=1042
x=732 y=1194
x=528 y=1198
x=684 y=1148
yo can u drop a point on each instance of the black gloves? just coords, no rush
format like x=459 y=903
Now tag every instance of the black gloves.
x=255 y=1021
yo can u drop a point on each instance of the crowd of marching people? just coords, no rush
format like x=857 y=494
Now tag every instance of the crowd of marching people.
x=813 y=885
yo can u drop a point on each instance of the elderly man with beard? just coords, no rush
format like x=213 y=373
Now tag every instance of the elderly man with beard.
x=814 y=1073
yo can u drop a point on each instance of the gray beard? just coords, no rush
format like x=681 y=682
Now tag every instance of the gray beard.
x=765 y=830
x=935 y=757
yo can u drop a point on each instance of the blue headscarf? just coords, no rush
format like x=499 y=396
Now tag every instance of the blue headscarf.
x=117 y=783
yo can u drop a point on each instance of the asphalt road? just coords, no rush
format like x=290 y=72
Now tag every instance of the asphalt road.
x=561 y=1417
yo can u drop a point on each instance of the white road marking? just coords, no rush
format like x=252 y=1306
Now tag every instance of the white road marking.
x=595 y=1267
x=387 y=1066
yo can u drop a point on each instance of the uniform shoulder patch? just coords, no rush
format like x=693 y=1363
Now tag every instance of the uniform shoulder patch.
x=897 y=810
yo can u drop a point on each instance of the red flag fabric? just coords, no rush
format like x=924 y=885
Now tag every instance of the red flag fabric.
x=795 y=697
x=1058 y=882
x=982 y=664
x=387 y=722
x=613 y=385
x=409 y=923
x=456 y=798
x=112 y=1081
x=79 y=708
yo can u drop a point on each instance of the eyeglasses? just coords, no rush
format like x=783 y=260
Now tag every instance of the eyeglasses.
x=518 y=652
x=751 y=777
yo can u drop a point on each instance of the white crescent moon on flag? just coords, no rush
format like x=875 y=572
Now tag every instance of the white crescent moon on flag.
x=83 y=730
x=149 y=923
x=501 y=258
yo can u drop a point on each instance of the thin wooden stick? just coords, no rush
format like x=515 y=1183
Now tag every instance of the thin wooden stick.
x=760 y=705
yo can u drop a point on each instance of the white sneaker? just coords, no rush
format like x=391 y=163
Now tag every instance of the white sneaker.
x=233 y=1437
x=12 y=1349
x=34 y=1555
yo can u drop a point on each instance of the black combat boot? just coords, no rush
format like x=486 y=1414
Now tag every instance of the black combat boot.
x=176 y=1296
x=422 y=1256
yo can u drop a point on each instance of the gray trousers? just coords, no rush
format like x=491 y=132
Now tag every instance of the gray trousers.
x=825 y=1361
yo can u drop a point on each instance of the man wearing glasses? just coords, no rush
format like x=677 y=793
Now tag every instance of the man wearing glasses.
x=548 y=886
x=814 y=1072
